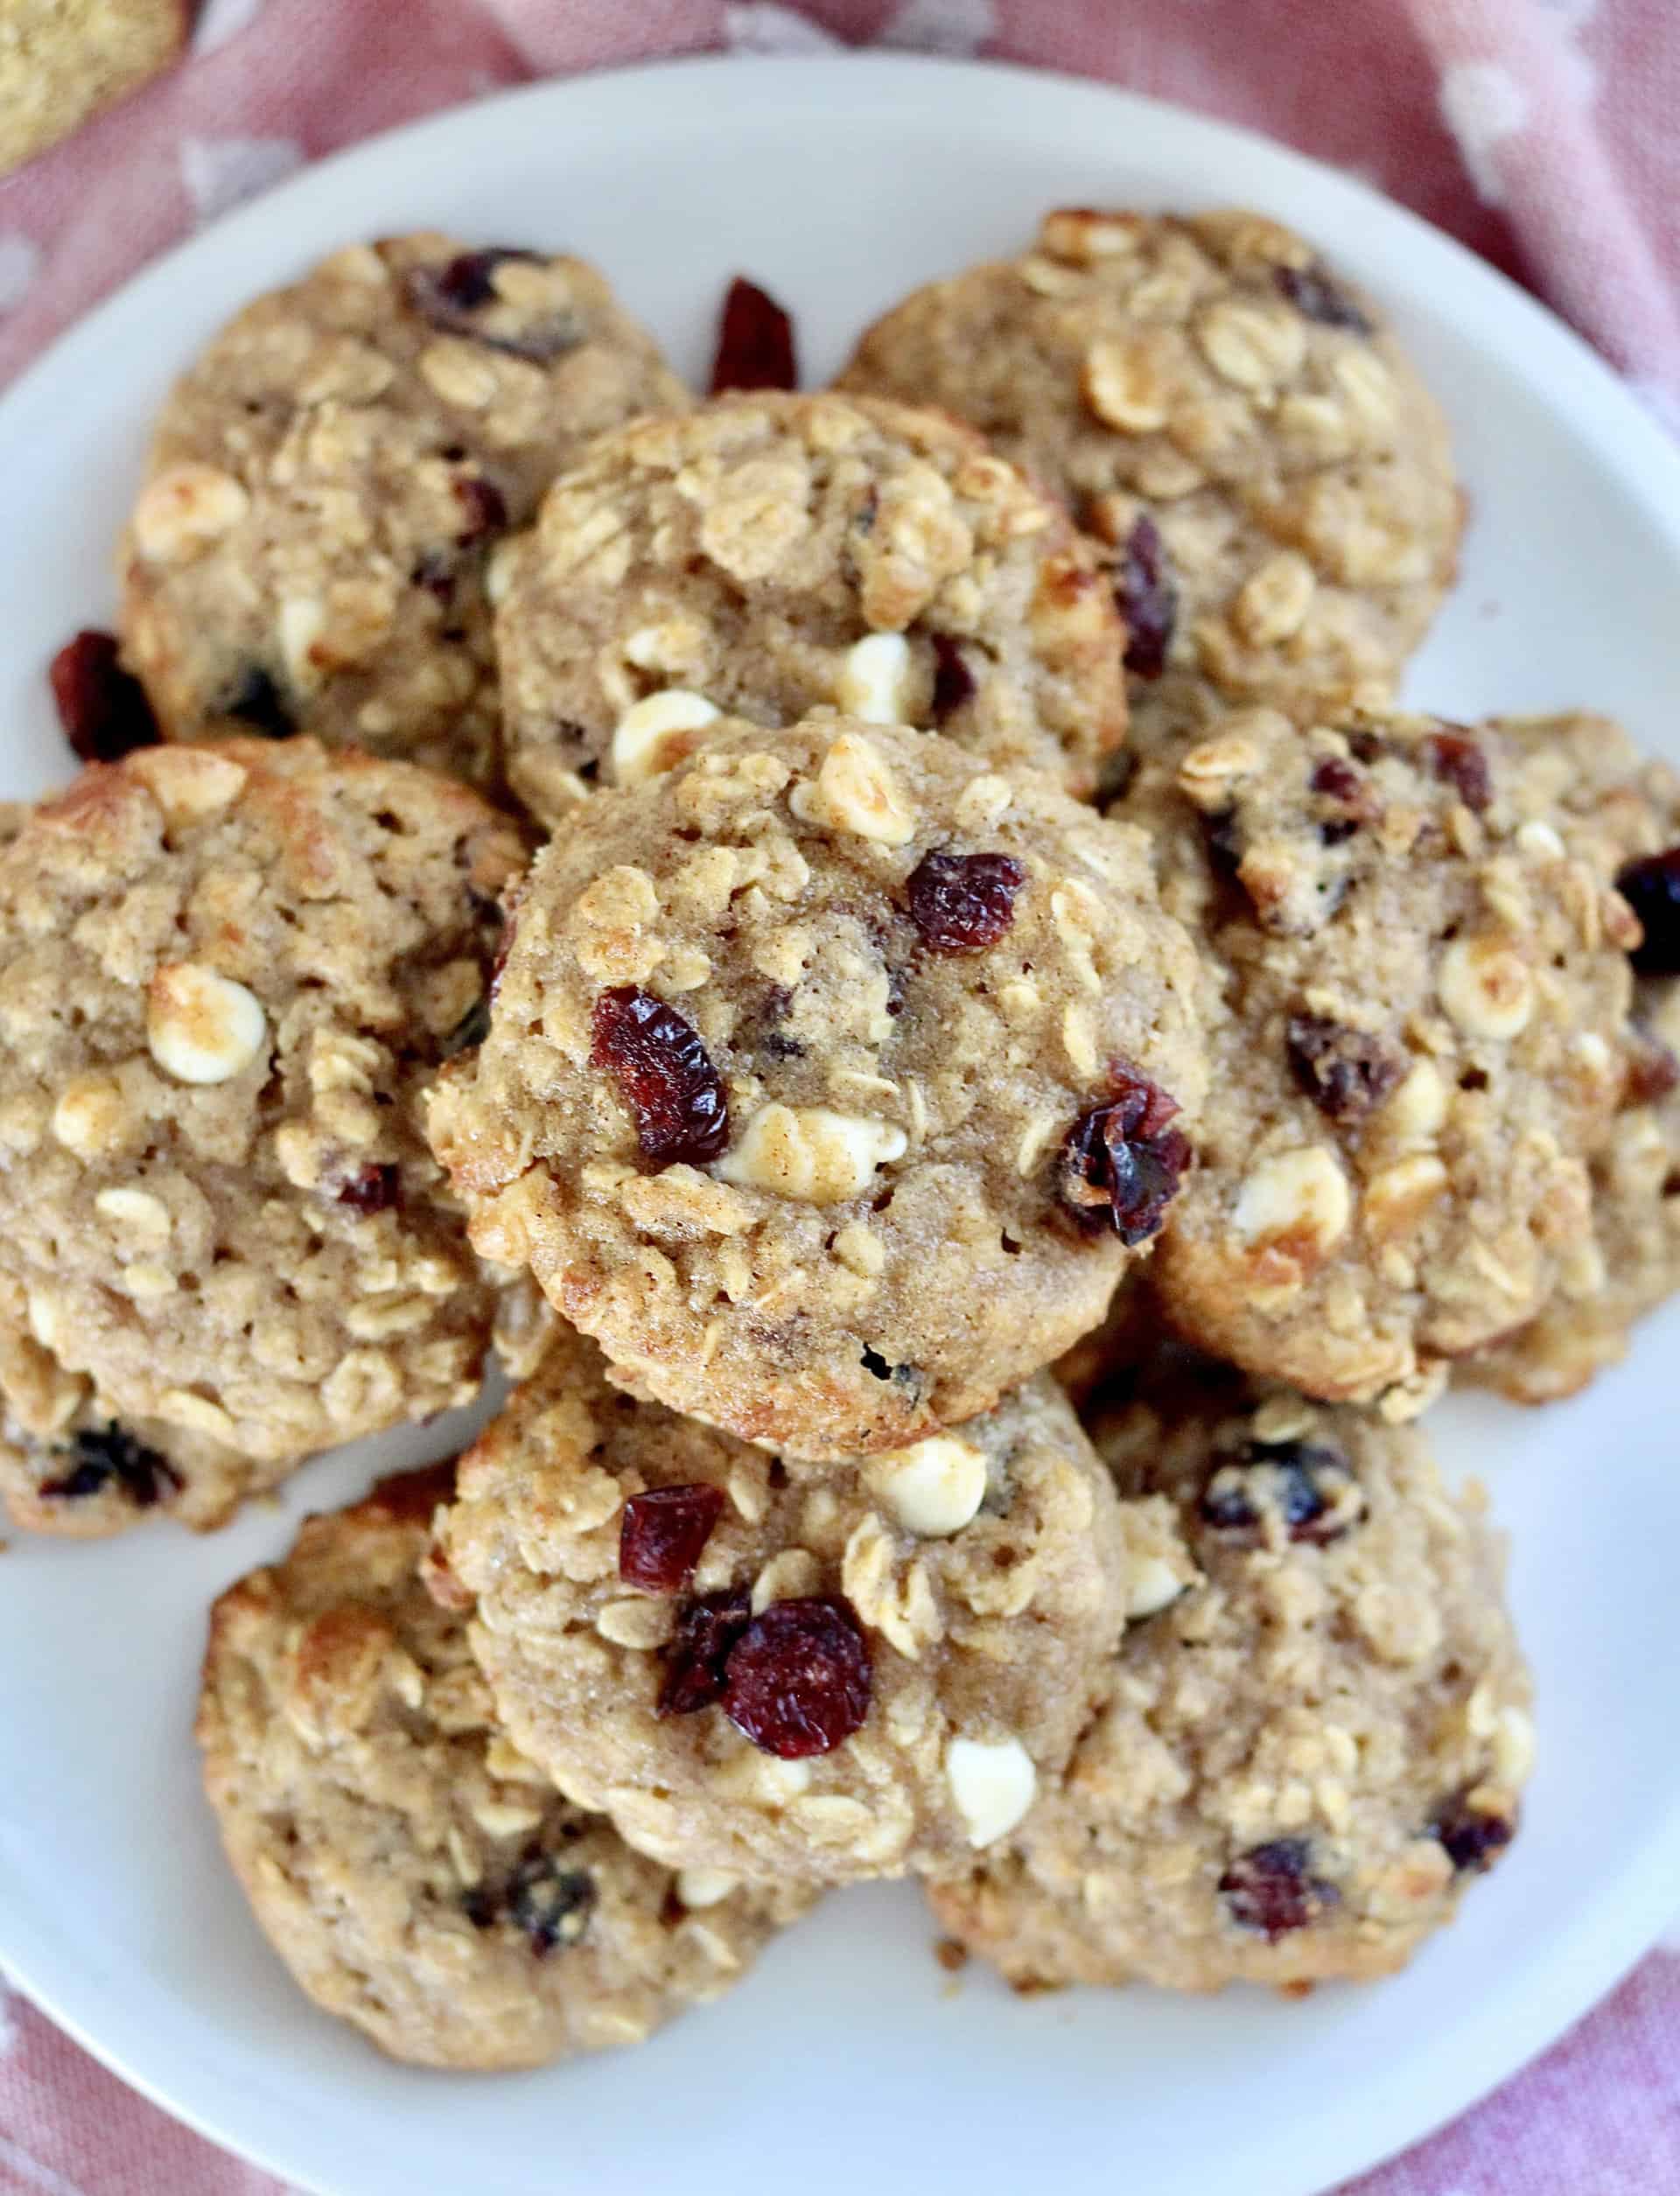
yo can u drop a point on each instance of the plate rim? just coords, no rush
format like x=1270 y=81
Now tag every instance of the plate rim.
x=1609 y=1931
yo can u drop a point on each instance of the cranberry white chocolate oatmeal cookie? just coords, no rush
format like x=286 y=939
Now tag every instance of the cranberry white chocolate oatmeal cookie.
x=783 y=1669
x=227 y=975
x=417 y=1875
x=1418 y=1035
x=832 y=1078
x=316 y=545
x=1235 y=421
x=772 y=555
x=1308 y=1754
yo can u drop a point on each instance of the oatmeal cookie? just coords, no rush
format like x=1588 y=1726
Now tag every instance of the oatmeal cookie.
x=783 y=1669
x=63 y=61
x=773 y=554
x=226 y=975
x=831 y=1081
x=417 y=1874
x=1418 y=1037
x=1237 y=424
x=332 y=485
x=1303 y=1759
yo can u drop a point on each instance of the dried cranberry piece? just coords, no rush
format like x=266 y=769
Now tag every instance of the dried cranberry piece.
x=108 y=1454
x=1121 y=1164
x=664 y=1533
x=953 y=681
x=449 y=295
x=1148 y=600
x=484 y=507
x=1474 y=1836
x=1653 y=1071
x=1311 y=291
x=664 y=1075
x=373 y=1188
x=755 y=342
x=102 y=708
x=257 y=701
x=1349 y=795
x=465 y=282
x=964 y=903
x=798 y=1679
x=698 y=1650
x=1344 y=1072
x=1270 y=1888
x=1310 y=1486
x=1462 y=763
x=1338 y=780
x=552 y=1904
x=1651 y=888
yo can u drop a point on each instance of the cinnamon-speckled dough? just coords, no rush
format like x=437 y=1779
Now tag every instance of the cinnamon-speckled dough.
x=1210 y=378
x=1416 y=1038
x=418 y=1875
x=879 y=1241
x=329 y=485
x=979 y=1578
x=1306 y=1757
x=227 y=975
x=771 y=554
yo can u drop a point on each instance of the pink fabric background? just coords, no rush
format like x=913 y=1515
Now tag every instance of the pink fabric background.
x=1542 y=132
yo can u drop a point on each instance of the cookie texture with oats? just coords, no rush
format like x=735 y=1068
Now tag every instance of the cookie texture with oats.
x=1235 y=421
x=831 y=1081
x=1304 y=1758
x=62 y=61
x=785 y=1669
x=772 y=555
x=1419 y=1014
x=333 y=483
x=418 y=1875
x=226 y=975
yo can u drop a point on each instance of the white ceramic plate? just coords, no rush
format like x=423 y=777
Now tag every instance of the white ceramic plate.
x=850 y=2060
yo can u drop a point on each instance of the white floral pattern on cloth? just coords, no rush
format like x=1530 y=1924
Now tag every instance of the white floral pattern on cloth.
x=1540 y=132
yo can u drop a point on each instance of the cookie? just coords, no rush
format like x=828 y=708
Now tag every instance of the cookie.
x=226 y=975
x=417 y=1875
x=62 y=61
x=1236 y=423
x=831 y=1081
x=773 y=555
x=780 y=1669
x=1419 y=989
x=330 y=484
x=1306 y=1757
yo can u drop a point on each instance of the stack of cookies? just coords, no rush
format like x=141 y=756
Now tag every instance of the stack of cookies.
x=900 y=968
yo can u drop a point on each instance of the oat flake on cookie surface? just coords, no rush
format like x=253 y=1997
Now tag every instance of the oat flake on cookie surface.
x=226 y=974
x=332 y=486
x=832 y=1078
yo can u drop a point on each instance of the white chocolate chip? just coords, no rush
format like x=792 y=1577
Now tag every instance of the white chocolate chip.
x=700 y=1887
x=1540 y=841
x=1418 y=1109
x=185 y=510
x=811 y=1153
x=854 y=791
x=1486 y=988
x=651 y=737
x=1152 y=1585
x=1513 y=1747
x=874 y=680
x=202 y=1027
x=934 y=1488
x=993 y=1783
x=1300 y=1195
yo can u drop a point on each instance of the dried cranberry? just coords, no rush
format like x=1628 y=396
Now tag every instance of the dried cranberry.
x=964 y=903
x=1461 y=762
x=755 y=342
x=1474 y=1836
x=1309 y=1486
x=483 y=505
x=257 y=701
x=1148 y=600
x=1311 y=291
x=1269 y=1889
x=1651 y=888
x=373 y=1188
x=1121 y=1164
x=698 y=1649
x=664 y=1533
x=102 y=708
x=1653 y=1071
x=798 y=1680
x=109 y=1454
x=953 y=681
x=1349 y=795
x=552 y=1904
x=449 y=296
x=1344 y=1072
x=664 y=1075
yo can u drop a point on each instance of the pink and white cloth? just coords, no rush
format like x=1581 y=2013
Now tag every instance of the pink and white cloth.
x=1540 y=132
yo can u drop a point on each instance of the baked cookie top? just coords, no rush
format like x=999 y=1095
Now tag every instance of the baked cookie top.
x=831 y=1078
x=771 y=554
